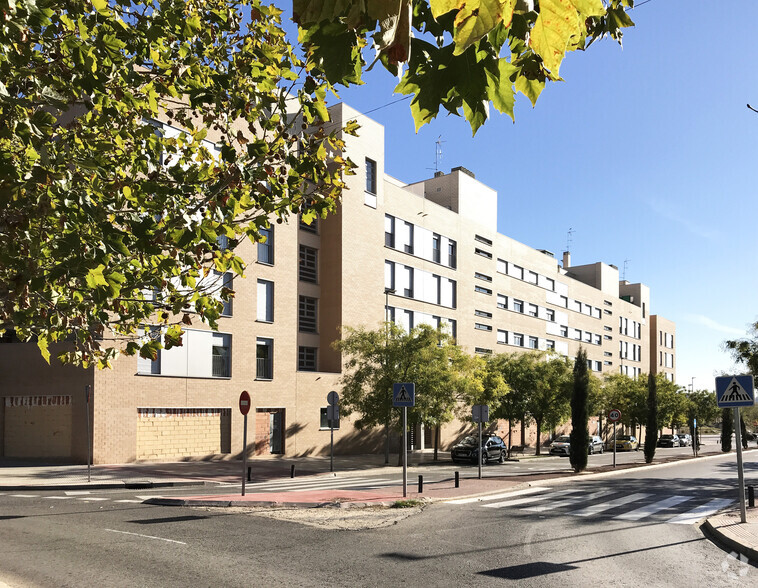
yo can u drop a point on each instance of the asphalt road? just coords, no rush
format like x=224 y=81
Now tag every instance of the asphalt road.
x=557 y=535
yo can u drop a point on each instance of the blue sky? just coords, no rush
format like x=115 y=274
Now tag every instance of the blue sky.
x=647 y=153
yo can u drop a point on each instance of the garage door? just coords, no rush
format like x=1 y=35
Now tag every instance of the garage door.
x=37 y=426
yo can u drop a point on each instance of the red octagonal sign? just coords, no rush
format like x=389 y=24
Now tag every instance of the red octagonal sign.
x=244 y=402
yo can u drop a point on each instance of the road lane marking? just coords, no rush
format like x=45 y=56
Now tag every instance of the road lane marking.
x=58 y=497
x=24 y=496
x=651 y=509
x=525 y=492
x=702 y=511
x=567 y=501
x=132 y=501
x=147 y=536
x=91 y=498
x=76 y=492
x=603 y=506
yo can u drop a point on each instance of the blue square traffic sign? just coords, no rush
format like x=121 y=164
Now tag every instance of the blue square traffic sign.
x=734 y=391
x=404 y=394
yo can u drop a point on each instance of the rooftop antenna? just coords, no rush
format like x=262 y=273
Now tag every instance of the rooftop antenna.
x=438 y=153
x=623 y=274
x=568 y=239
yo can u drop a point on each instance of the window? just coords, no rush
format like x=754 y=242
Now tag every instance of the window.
x=502 y=301
x=408 y=288
x=408 y=244
x=483 y=313
x=502 y=266
x=266 y=248
x=311 y=228
x=518 y=339
x=607 y=302
x=389 y=275
x=607 y=354
x=533 y=343
x=532 y=277
x=597 y=339
x=482 y=327
x=265 y=301
x=518 y=305
x=532 y=309
x=221 y=358
x=482 y=240
x=370 y=176
x=606 y=311
x=607 y=328
x=223 y=281
x=483 y=253
x=578 y=334
x=550 y=344
x=564 y=331
x=306 y=359
x=483 y=290
x=389 y=231
x=436 y=251
x=326 y=423
x=564 y=301
x=550 y=314
x=518 y=271
x=502 y=336
x=607 y=337
x=307 y=320
x=452 y=254
x=587 y=337
x=481 y=276
x=550 y=284
x=482 y=351
x=308 y=264
x=264 y=359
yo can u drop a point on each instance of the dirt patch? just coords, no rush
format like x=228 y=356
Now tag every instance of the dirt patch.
x=340 y=519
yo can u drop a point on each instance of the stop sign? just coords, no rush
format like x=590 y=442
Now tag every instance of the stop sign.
x=244 y=402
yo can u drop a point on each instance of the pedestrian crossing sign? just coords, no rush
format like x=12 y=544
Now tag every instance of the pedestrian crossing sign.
x=734 y=391
x=404 y=394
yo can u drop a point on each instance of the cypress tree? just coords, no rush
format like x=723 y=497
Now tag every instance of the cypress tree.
x=727 y=428
x=580 y=437
x=651 y=423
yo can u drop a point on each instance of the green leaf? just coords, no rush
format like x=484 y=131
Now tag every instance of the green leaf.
x=95 y=277
x=500 y=87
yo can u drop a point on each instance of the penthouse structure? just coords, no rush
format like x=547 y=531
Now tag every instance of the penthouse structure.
x=427 y=252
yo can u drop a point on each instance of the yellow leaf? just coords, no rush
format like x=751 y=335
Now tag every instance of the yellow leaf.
x=476 y=18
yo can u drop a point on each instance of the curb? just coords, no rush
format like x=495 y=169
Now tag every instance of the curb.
x=140 y=485
x=728 y=543
x=262 y=503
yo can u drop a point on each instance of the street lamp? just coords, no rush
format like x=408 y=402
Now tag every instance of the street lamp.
x=692 y=384
x=387 y=292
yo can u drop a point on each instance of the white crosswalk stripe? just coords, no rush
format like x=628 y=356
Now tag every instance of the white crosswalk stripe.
x=543 y=500
x=702 y=511
x=319 y=484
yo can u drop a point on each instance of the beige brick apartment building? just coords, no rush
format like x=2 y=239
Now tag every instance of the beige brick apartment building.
x=425 y=252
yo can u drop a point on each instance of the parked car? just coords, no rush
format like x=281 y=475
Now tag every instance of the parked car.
x=562 y=445
x=627 y=443
x=668 y=441
x=684 y=439
x=467 y=449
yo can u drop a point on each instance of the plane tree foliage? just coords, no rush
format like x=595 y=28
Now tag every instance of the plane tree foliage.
x=447 y=380
x=458 y=55
x=108 y=222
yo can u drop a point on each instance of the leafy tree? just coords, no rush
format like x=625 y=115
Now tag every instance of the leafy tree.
x=110 y=220
x=651 y=424
x=548 y=403
x=456 y=54
x=727 y=429
x=446 y=378
x=580 y=437
x=672 y=403
x=745 y=351
x=515 y=370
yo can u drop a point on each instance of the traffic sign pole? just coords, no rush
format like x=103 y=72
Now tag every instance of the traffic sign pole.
x=480 y=450
x=244 y=404
x=405 y=451
x=614 y=444
x=740 y=472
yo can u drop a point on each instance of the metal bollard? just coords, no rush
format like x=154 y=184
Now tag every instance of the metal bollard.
x=249 y=473
x=292 y=471
x=420 y=484
x=751 y=496
x=457 y=479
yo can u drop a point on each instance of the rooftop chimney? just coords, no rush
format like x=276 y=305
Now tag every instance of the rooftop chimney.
x=566 y=259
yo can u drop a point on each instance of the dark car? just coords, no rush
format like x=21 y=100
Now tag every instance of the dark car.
x=467 y=449
x=668 y=441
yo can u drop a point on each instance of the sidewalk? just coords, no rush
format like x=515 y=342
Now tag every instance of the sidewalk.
x=725 y=529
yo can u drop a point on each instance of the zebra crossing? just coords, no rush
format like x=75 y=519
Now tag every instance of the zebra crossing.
x=318 y=483
x=676 y=509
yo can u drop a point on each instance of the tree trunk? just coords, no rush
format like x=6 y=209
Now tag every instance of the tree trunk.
x=523 y=430
x=538 y=422
x=436 y=441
